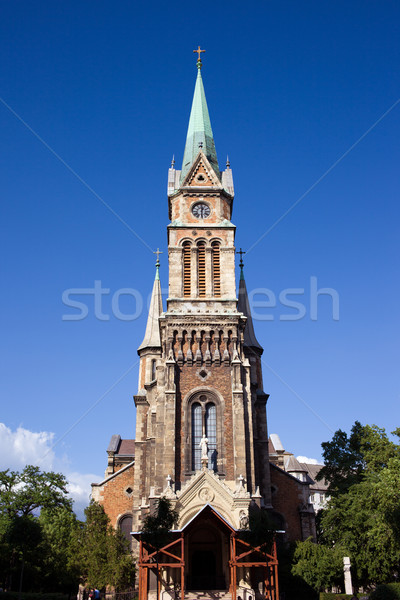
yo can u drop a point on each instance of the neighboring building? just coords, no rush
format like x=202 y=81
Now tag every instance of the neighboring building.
x=201 y=424
x=306 y=472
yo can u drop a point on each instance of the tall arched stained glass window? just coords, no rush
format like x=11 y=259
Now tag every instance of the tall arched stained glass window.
x=197 y=430
x=211 y=434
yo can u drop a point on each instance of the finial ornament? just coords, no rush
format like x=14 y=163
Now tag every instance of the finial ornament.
x=158 y=252
x=241 y=252
x=241 y=265
x=228 y=162
x=173 y=161
x=199 y=51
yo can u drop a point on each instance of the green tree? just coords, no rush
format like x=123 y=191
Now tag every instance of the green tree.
x=319 y=566
x=23 y=495
x=344 y=462
x=347 y=459
x=363 y=521
x=59 y=527
x=100 y=553
x=362 y=515
x=23 y=536
x=28 y=491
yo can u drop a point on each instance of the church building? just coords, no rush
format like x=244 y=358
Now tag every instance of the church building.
x=201 y=422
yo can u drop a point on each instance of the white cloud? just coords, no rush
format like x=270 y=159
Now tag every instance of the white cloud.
x=24 y=447
x=79 y=486
x=309 y=461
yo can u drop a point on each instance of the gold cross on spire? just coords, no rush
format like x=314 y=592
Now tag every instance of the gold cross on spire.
x=199 y=51
x=158 y=252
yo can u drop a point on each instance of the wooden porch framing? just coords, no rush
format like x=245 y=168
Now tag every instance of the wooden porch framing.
x=254 y=557
x=241 y=554
x=172 y=555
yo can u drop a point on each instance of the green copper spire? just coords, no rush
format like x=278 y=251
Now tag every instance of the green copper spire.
x=158 y=252
x=199 y=134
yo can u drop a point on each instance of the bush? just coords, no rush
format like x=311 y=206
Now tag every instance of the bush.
x=332 y=596
x=33 y=596
x=387 y=591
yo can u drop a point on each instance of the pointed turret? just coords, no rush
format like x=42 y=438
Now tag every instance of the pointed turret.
x=199 y=134
x=152 y=336
x=250 y=340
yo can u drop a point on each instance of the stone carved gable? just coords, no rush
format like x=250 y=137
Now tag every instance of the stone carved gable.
x=201 y=174
x=205 y=487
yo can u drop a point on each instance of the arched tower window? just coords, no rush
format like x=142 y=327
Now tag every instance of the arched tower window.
x=201 y=269
x=204 y=422
x=186 y=268
x=211 y=434
x=197 y=432
x=216 y=269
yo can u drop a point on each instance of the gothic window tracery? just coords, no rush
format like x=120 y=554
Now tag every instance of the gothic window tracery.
x=204 y=422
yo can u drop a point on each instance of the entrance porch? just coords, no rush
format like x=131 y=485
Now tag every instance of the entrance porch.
x=207 y=560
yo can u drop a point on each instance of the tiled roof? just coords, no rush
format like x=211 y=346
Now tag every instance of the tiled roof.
x=312 y=471
x=127 y=448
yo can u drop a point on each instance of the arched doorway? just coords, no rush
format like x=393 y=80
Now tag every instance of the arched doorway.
x=205 y=558
x=203 y=570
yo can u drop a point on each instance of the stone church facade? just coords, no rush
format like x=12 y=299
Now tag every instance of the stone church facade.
x=201 y=424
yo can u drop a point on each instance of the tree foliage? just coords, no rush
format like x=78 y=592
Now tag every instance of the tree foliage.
x=41 y=537
x=101 y=553
x=319 y=566
x=23 y=496
x=156 y=527
x=362 y=518
x=59 y=527
x=26 y=492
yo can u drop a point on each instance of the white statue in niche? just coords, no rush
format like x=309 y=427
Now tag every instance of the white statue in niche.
x=204 y=447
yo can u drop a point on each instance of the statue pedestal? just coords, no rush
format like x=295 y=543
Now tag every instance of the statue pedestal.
x=204 y=463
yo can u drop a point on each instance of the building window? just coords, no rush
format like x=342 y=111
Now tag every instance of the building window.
x=153 y=369
x=312 y=498
x=196 y=436
x=204 y=422
x=201 y=269
x=125 y=526
x=216 y=267
x=211 y=434
x=186 y=268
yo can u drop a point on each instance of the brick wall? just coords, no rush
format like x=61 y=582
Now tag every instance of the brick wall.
x=286 y=499
x=113 y=496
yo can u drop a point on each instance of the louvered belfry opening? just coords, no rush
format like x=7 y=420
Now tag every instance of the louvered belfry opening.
x=201 y=269
x=216 y=266
x=186 y=268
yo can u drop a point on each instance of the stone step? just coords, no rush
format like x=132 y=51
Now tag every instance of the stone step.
x=208 y=595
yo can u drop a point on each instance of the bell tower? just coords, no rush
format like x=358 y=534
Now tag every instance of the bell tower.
x=201 y=410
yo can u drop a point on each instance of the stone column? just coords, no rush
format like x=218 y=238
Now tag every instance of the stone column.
x=347 y=576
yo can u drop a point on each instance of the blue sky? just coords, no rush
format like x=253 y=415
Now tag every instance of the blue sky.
x=291 y=87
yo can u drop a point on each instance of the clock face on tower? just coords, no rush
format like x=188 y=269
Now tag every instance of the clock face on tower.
x=201 y=210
